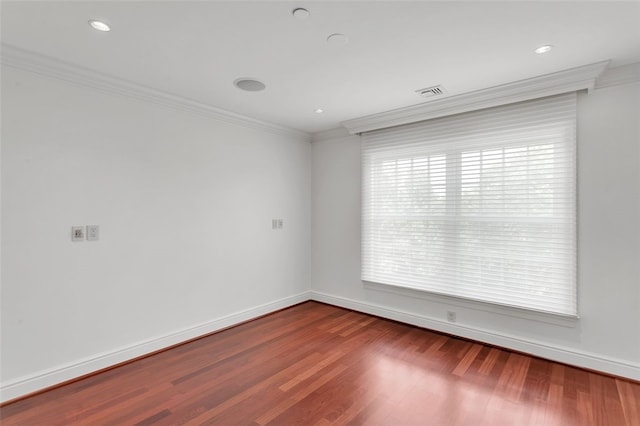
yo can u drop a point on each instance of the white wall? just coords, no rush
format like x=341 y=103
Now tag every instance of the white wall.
x=607 y=336
x=184 y=204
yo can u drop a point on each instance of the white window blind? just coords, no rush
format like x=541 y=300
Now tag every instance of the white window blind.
x=480 y=205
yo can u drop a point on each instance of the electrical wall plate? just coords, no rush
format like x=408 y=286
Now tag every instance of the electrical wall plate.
x=93 y=232
x=77 y=233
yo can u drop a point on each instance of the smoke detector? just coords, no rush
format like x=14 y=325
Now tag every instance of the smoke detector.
x=431 y=91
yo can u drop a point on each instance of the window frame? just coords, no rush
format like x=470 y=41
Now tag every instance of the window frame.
x=453 y=179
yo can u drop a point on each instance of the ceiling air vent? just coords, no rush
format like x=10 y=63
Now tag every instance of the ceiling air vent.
x=431 y=91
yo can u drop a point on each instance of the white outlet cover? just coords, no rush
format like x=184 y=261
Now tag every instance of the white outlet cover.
x=93 y=232
x=77 y=233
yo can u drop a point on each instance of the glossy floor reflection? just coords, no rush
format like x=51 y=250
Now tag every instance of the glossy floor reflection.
x=318 y=364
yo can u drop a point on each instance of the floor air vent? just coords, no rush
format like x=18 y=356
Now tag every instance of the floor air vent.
x=431 y=91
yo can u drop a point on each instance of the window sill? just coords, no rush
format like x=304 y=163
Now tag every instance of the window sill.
x=545 y=317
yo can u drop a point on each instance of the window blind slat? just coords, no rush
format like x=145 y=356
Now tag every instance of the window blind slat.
x=480 y=205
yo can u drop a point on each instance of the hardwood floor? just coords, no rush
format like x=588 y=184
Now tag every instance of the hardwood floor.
x=315 y=364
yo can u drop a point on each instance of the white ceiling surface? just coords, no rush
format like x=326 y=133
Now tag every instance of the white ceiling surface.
x=196 y=49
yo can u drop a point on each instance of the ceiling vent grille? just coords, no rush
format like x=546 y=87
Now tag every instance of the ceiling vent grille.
x=431 y=91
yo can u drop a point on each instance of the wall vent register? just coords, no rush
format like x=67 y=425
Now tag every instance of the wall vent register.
x=430 y=92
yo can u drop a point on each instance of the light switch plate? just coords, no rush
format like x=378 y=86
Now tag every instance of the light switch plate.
x=93 y=232
x=77 y=233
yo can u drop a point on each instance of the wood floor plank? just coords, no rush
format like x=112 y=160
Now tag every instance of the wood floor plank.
x=513 y=375
x=468 y=359
x=316 y=364
x=281 y=409
x=312 y=371
x=630 y=400
x=489 y=361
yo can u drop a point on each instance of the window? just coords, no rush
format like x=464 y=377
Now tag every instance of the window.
x=480 y=205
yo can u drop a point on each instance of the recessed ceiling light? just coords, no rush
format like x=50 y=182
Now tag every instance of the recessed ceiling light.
x=249 y=84
x=544 y=49
x=99 y=25
x=337 y=39
x=319 y=111
x=300 y=13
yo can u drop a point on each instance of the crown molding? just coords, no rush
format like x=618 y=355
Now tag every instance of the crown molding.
x=573 y=79
x=626 y=74
x=337 y=133
x=22 y=59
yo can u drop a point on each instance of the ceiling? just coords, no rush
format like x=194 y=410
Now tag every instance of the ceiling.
x=196 y=49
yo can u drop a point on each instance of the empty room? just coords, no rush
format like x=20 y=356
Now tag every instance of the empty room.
x=320 y=213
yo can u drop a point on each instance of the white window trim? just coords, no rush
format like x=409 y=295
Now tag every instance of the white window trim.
x=567 y=321
x=397 y=141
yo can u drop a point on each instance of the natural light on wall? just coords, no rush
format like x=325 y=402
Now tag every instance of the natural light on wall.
x=480 y=205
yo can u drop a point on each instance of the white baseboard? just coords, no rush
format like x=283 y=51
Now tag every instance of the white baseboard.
x=555 y=353
x=43 y=379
